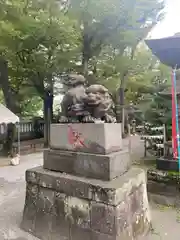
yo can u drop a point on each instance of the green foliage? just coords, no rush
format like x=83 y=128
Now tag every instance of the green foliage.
x=160 y=111
x=143 y=73
x=31 y=106
x=1 y=97
x=39 y=42
x=42 y=39
x=120 y=23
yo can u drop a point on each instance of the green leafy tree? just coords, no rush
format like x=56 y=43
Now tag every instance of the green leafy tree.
x=38 y=40
x=42 y=39
x=160 y=110
x=145 y=76
x=117 y=23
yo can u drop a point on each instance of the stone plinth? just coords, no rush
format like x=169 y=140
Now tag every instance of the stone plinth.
x=104 y=167
x=163 y=187
x=102 y=198
x=165 y=164
x=100 y=138
x=61 y=206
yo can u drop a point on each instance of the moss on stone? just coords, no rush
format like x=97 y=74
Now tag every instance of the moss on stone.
x=168 y=177
x=173 y=173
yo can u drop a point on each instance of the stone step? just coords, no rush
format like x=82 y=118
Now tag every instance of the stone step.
x=105 y=167
x=163 y=187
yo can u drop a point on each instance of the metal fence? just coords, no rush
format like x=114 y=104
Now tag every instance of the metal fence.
x=28 y=130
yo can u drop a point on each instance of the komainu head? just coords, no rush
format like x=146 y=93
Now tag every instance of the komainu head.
x=73 y=80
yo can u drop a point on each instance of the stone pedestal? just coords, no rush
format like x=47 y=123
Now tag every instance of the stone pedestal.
x=62 y=206
x=104 y=167
x=100 y=138
x=87 y=195
x=167 y=162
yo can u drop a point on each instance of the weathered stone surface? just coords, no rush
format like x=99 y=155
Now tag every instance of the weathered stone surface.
x=163 y=176
x=30 y=208
x=43 y=225
x=103 y=218
x=45 y=201
x=101 y=138
x=110 y=192
x=78 y=212
x=77 y=233
x=60 y=212
x=166 y=164
x=102 y=236
x=125 y=235
x=129 y=219
x=163 y=188
x=173 y=201
x=105 y=167
x=60 y=230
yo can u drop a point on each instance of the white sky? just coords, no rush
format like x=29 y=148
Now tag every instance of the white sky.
x=171 y=23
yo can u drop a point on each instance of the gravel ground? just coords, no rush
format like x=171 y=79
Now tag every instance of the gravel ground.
x=165 y=221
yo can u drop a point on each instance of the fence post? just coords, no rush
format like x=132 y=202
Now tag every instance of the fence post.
x=145 y=143
x=165 y=138
x=129 y=134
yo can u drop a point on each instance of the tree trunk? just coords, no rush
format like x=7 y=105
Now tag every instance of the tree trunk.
x=11 y=104
x=86 y=50
x=121 y=101
x=9 y=98
x=46 y=127
x=85 y=62
x=11 y=134
x=120 y=112
x=48 y=112
x=52 y=98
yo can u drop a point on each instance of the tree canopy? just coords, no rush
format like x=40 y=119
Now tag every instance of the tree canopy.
x=41 y=40
x=119 y=24
x=37 y=40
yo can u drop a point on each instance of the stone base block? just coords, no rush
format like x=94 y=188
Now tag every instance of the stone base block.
x=100 y=138
x=165 y=164
x=163 y=187
x=61 y=206
x=104 y=167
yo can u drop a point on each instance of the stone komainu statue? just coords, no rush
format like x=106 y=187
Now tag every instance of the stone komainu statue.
x=72 y=105
x=98 y=104
x=82 y=104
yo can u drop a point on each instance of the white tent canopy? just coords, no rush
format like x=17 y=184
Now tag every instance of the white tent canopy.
x=6 y=116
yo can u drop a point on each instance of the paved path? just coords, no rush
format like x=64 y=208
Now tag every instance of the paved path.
x=12 y=194
x=12 y=190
